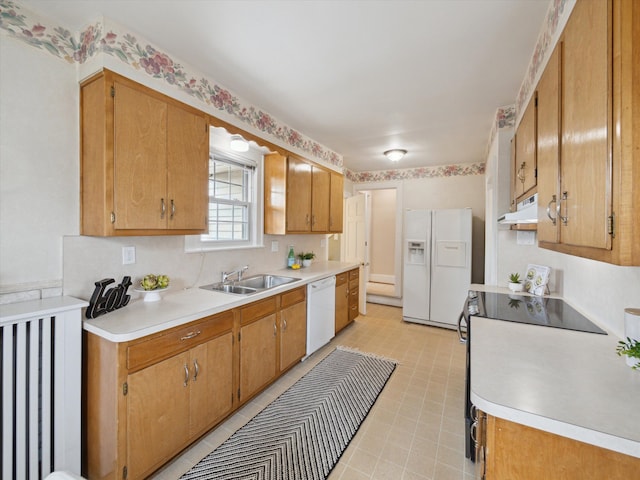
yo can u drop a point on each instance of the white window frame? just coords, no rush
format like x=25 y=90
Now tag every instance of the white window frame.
x=199 y=243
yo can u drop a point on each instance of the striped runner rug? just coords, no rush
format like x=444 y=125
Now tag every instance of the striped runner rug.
x=302 y=433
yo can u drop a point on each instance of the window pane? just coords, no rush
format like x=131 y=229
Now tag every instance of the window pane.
x=230 y=197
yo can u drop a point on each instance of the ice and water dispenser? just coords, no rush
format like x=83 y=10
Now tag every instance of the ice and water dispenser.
x=416 y=252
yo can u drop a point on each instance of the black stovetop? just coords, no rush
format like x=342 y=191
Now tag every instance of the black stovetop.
x=543 y=311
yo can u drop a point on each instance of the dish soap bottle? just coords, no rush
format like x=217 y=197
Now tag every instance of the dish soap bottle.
x=291 y=259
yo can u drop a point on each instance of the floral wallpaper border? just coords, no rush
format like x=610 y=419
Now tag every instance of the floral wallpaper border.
x=416 y=173
x=24 y=25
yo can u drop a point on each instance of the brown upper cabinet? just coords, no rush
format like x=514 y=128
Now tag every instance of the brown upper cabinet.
x=588 y=131
x=524 y=166
x=144 y=161
x=300 y=196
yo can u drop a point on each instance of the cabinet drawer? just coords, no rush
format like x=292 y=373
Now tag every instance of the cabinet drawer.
x=354 y=285
x=292 y=297
x=177 y=340
x=354 y=274
x=257 y=310
x=341 y=278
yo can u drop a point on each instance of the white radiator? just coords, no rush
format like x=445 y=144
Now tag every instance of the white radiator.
x=41 y=368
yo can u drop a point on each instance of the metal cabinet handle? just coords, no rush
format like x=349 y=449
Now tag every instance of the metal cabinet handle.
x=306 y=219
x=275 y=329
x=563 y=198
x=553 y=200
x=163 y=208
x=186 y=374
x=313 y=219
x=173 y=209
x=284 y=323
x=196 y=369
x=521 y=172
x=191 y=335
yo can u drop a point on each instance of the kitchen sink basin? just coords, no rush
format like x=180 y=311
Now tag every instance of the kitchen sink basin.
x=262 y=282
x=250 y=285
x=231 y=288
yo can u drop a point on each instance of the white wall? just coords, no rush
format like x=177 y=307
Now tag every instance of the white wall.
x=39 y=169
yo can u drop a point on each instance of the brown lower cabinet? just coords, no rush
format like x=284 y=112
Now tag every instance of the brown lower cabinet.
x=347 y=298
x=354 y=294
x=148 y=399
x=511 y=450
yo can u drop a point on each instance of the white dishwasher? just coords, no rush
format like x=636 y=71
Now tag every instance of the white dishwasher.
x=321 y=312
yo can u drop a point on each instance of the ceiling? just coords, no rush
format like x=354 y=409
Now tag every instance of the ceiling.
x=358 y=77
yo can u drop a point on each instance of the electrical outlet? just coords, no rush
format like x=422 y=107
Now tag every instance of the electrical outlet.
x=128 y=255
x=275 y=246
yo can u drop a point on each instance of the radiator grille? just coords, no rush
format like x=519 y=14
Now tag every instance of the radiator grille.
x=40 y=412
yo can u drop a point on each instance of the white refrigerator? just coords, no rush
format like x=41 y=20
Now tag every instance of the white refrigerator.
x=437 y=265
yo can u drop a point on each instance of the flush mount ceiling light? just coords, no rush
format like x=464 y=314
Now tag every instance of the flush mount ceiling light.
x=395 y=154
x=238 y=144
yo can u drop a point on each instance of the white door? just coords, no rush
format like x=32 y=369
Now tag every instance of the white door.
x=356 y=241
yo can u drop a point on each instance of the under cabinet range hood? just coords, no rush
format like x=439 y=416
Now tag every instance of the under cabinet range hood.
x=526 y=212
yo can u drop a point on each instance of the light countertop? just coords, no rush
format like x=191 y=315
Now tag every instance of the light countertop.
x=139 y=318
x=564 y=382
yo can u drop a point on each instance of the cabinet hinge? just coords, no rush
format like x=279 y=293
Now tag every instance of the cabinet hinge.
x=124 y=472
x=610 y=222
x=239 y=336
x=238 y=394
x=535 y=173
x=113 y=217
x=125 y=388
x=113 y=92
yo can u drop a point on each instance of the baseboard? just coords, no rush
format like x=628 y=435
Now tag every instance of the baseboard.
x=383 y=300
x=382 y=278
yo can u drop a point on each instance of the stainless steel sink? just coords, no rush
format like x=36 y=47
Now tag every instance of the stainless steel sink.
x=250 y=285
x=265 y=281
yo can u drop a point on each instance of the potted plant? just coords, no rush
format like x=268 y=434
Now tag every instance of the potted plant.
x=515 y=284
x=306 y=258
x=631 y=349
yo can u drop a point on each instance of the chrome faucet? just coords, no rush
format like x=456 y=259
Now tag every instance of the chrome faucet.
x=239 y=272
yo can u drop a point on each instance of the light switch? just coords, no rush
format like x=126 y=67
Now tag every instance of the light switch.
x=128 y=255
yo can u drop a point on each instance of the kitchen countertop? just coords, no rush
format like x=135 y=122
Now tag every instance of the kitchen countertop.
x=139 y=318
x=561 y=381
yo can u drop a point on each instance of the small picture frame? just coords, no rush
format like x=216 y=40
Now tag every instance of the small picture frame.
x=536 y=279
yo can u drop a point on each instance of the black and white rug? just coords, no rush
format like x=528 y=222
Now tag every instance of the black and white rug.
x=302 y=434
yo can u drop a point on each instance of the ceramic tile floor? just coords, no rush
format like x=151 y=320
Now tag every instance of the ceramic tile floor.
x=415 y=429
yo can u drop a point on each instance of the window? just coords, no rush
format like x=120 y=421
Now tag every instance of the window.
x=234 y=209
x=231 y=195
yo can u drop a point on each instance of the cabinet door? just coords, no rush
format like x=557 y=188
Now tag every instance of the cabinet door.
x=298 y=195
x=525 y=159
x=336 y=203
x=140 y=155
x=187 y=170
x=211 y=383
x=342 y=305
x=586 y=113
x=157 y=414
x=320 y=197
x=257 y=355
x=293 y=334
x=548 y=140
